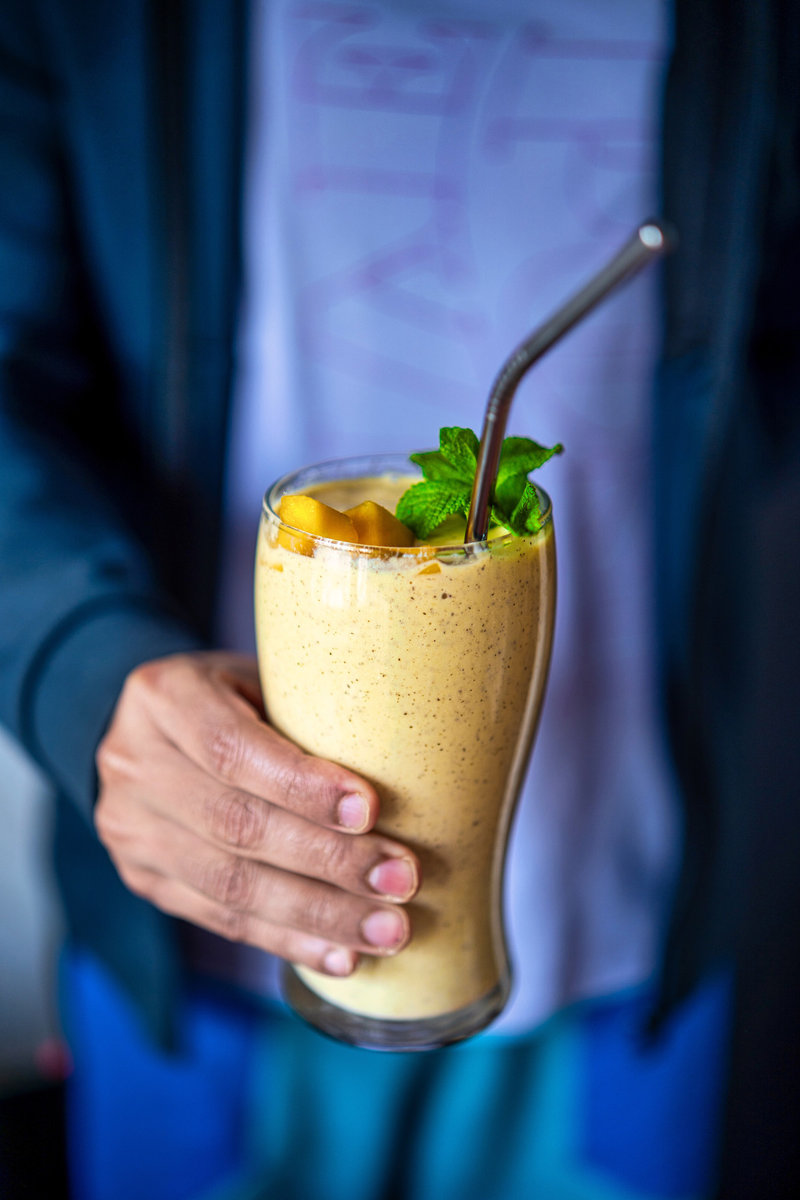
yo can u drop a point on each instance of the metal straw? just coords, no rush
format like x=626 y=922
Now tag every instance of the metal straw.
x=648 y=242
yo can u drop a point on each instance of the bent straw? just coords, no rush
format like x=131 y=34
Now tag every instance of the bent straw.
x=649 y=242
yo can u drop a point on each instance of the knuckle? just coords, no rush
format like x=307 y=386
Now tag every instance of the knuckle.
x=152 y=678
x=135 y=881
x=231 y=924
x=318 y=912
x=225 y=750
x=103 y=758
x=232 y=882
x=102 y=822
x=236 y=820
x=144 y=679
x=294 y=787
x=336 y=854
x=109 y=821
x=110 y=761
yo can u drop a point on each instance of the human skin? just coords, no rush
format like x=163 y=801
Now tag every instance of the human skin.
x=216 y=818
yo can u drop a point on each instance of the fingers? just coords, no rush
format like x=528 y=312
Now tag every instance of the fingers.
x=137 y=819
x=179 y=900
x=219 y=728
x=212 y=816
x=238 y=896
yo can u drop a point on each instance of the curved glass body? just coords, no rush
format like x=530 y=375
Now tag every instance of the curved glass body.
x=424 y=671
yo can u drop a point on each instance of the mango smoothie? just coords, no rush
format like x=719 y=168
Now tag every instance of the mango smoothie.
x=422 y=669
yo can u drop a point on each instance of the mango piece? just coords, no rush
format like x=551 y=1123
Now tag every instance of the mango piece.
x=376 y=526
x=312 y=516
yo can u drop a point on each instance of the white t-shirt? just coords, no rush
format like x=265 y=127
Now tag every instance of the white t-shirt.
x=426 y=181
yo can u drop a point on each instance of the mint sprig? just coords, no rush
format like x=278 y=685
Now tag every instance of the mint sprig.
x=425 y=505
x=456 y=458
x=449 y=474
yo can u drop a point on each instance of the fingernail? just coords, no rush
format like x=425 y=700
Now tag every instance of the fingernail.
x=383 y=929
x=353 y=812
x=395 y=877
x=339 y=961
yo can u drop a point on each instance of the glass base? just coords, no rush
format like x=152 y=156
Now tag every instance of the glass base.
x=376 y=1033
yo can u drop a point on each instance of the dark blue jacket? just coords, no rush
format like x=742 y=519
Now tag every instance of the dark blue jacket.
x=119 y=265
x=120 y=178
x=727 y=454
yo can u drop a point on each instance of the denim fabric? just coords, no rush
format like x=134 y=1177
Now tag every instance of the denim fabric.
x=253 y=1104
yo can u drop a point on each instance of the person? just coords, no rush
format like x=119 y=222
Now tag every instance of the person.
x=151 y=383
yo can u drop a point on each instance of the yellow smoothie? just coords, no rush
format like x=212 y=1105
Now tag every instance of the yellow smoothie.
x=423 y=670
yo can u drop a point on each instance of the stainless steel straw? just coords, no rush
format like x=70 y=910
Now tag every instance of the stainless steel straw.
x=650 y=240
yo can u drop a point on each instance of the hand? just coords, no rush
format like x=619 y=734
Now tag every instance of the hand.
x=214 y=817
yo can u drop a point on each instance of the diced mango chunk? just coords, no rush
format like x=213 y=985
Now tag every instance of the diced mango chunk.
x=314 y=517
x=376 y=526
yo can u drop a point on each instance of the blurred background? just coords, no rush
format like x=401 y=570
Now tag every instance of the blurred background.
x=33 y=1060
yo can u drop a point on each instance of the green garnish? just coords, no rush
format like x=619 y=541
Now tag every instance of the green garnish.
x=449 y=473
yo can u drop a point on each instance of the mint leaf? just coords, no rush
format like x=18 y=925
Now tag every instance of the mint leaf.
x=496 y=517
x=449 y=473
x=527 y=514
x=435 y=466
x=460 y=448
x=520 y=456
x=507 y=492
x=425 y=505
x=456 y=458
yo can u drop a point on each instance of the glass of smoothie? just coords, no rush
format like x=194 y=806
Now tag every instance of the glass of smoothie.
x=423 y=669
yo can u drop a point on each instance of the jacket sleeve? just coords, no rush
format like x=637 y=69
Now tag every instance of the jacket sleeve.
x=80 y=604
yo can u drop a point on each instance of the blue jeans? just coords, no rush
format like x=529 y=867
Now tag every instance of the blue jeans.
x=253 y=1104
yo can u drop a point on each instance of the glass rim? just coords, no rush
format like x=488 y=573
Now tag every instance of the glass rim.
x=358 y=464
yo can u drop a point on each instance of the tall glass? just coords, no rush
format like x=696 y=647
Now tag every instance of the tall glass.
x=424 y=671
